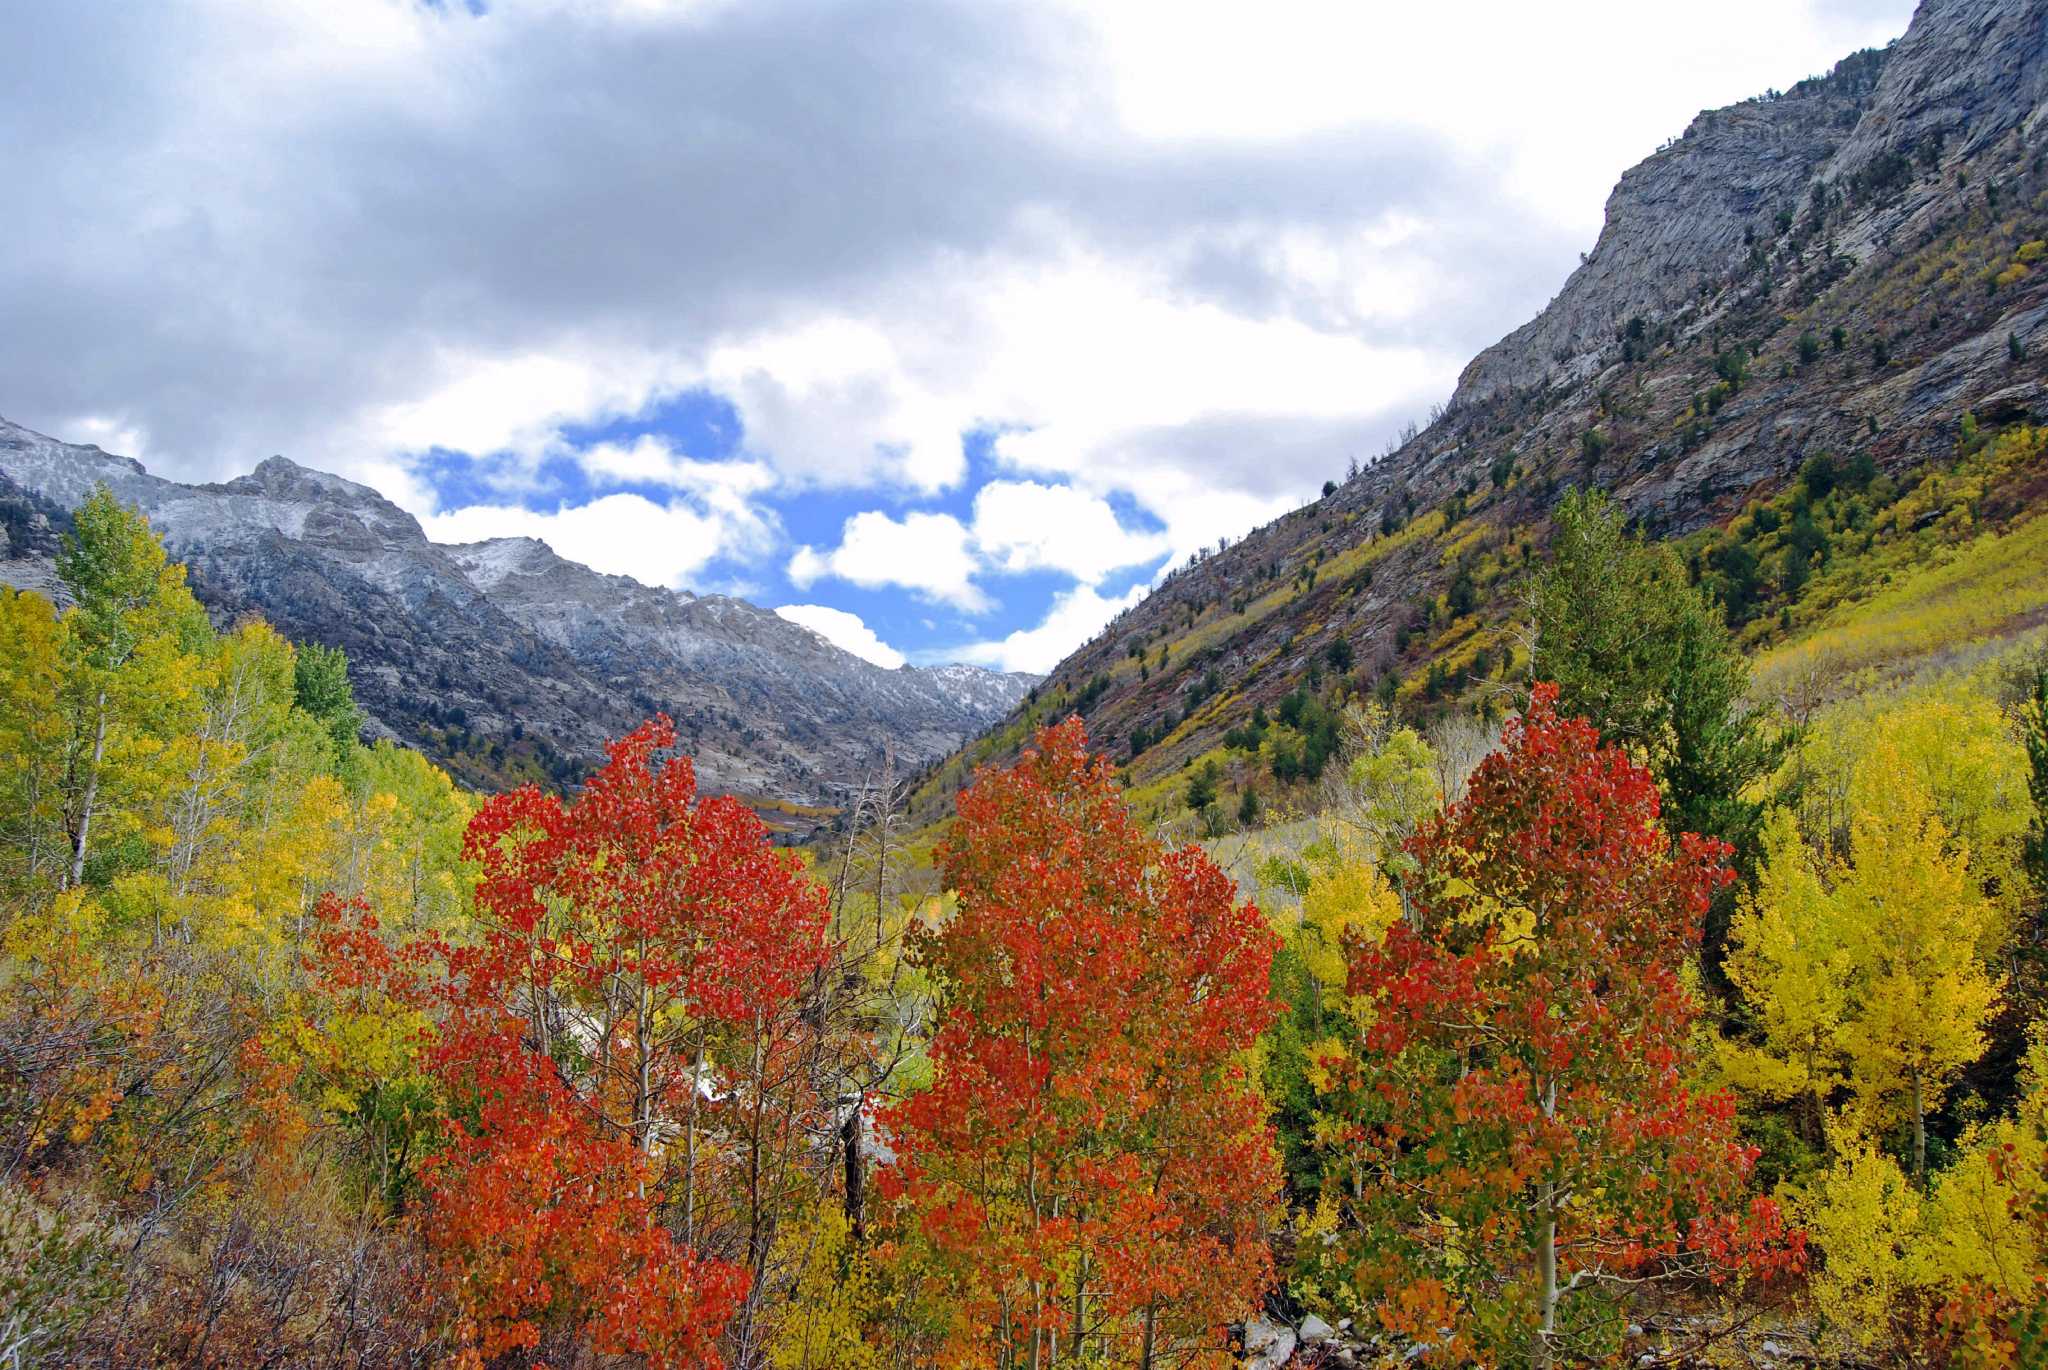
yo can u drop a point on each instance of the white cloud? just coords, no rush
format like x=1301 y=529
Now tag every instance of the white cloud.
x=926 y=554
x=728 y=487
x=625 y=535
x=1188 y=254
x=843 y=630
x=1027 y=526
x=1018 y=527
x=1539 y=86
x=714 y=512
x=807 y=566
x=1075 y=616
x=831 y=402
x=109 y=434
x=469 y=402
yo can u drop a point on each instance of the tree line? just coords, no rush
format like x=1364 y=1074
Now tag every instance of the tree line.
x=309 y=1057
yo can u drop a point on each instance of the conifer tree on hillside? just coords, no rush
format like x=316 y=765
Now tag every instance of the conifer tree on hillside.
x=1647 y=657
x=320 y=680
x=1644 y=655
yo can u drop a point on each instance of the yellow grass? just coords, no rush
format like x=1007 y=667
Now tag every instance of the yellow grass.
x=1977 y=591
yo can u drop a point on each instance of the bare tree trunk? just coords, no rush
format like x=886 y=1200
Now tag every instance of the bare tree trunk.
x=1542 y=1357
x=1080 y=1304
x=856 y=1174
x=690 y=1147
x=643 y=1042
x=92 y=789
x=1546 y=1272
x=756 y=1247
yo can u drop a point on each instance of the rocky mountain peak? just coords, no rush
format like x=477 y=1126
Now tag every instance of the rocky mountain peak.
x=1967 y=74
x=503 y=659
x=283 y=478
x=489 y=562
x=1681 y=219
x=66 y=474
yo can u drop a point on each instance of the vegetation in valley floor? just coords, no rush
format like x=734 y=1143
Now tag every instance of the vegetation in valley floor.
x=1666 y=1018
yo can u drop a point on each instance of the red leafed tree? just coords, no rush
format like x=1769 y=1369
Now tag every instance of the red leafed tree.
x=1092 y=1166
x=546 y=1225
x=1535 y=1136
x=624 y=1037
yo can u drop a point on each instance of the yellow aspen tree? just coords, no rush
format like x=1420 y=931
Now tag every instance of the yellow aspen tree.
x=1791 y=958
x=32 y=735
x=417 y=877
x=128 y=637
x=1954 y=743
x=1978 y=1228
x=1866 y=1219
x=1916 y=921
x=244 y=690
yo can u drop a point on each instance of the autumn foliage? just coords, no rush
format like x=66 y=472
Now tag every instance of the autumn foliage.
x=544 y=1226
x=308 y=1057
x=1537 y=1141
x=631 y=942
x=1092 y=1163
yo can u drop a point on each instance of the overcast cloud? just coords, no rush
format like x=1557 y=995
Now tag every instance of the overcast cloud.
x=1174 y=264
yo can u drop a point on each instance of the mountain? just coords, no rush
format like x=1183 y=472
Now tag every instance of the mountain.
x=1849 y=275
x=501 y=659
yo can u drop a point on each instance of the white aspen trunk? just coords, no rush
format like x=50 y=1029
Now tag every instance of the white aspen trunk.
x=690 y=1147
x=1546 y=1270
x=1543 y=1356
x=92 y=789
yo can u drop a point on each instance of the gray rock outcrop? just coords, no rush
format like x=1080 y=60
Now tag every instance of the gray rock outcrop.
x=501 y=659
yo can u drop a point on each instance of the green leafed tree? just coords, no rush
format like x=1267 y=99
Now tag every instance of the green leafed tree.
x=2034 y=735
x=1648 y=659
x=321 y=682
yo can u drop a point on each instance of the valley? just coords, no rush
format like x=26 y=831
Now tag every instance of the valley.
x=1572 y=893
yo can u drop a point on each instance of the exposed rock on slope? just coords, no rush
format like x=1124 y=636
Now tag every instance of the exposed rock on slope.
x=1685 y=217
x=501 y=659
x=1846 y=269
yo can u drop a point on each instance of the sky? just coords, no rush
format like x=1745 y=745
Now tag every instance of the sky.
x=943 y=328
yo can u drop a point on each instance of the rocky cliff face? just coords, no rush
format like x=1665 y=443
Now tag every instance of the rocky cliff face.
x=1966 y=84
x=501 y=659
x=1684 y=218
x=1890 y=200
x=1847 y=268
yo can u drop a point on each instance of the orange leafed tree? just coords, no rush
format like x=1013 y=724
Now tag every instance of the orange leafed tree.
x=1092 y=1166
x=610 y=1047
x=1539 y=1149
x=545 y=1225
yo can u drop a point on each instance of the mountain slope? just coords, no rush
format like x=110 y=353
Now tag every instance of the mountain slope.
x=500 y=659
x=1839 y=272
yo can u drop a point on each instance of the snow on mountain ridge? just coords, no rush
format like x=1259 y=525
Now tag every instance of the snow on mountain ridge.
x=481 y=653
